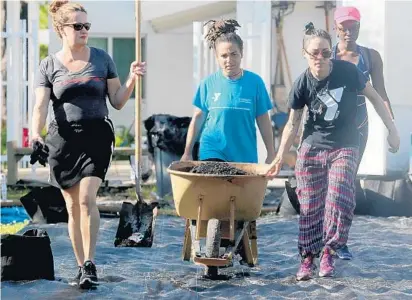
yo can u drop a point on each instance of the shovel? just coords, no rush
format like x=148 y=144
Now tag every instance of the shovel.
x=137 y=222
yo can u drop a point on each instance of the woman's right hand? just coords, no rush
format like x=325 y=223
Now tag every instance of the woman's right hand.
x=394 y=140
x=36 y=138
x=186 y=157
x=275 y=167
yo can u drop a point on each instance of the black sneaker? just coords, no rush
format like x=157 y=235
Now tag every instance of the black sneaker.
x=75 y=281
x=89 y=277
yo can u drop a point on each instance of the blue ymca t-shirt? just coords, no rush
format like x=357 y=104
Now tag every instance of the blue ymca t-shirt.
x=232 y=106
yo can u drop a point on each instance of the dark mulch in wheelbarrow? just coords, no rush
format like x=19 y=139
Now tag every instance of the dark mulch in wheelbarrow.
x=215 y=168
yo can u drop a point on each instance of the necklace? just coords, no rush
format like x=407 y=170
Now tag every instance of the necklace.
x=234 y=77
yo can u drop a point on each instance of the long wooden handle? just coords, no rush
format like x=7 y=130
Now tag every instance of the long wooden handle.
x=138 y=95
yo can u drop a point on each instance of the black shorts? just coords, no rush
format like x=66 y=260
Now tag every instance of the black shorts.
x=79 y=150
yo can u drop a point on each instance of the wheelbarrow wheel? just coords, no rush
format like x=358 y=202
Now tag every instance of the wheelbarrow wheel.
x=213 y=239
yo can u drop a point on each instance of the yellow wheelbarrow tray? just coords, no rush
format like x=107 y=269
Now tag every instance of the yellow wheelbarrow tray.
x=219 y=207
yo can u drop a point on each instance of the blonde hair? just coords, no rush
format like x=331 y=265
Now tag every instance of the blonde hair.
x=60 y=10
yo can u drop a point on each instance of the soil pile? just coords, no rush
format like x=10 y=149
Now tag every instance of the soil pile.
x=216 y=168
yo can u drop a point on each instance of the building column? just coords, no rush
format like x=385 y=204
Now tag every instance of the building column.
x=255 y=19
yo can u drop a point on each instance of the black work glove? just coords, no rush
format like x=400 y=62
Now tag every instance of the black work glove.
x=40 y=153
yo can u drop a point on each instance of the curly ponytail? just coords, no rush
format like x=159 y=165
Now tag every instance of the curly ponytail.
x=223 y=31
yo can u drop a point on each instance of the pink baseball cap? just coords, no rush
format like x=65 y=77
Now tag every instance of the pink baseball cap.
x=345 y=13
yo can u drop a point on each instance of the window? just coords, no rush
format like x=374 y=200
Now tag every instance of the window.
x=101 y=43
x=122 y=51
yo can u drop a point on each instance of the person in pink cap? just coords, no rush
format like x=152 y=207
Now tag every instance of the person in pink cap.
x=369 y=62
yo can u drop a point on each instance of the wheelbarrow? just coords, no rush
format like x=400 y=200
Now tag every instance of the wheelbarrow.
x=222 y=210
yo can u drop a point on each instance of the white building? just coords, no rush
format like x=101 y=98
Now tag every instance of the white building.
x=177 y=60
x=170 y=45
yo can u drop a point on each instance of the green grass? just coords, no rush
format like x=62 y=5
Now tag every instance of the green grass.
x=16 y=194
x=146 y=192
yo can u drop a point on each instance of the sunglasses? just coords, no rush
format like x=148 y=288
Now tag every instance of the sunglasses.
x=325 y=53
x=79 y=26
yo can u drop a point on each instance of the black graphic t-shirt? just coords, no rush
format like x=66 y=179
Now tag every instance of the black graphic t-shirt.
x=332 y=105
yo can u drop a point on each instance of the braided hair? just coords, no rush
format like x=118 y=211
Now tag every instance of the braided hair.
x=223 y=31
x=312 y=32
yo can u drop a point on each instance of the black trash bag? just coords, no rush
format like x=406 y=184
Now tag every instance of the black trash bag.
x=26 y=257
x=168 y=133
x=45 y=205
x=386 y=197
x=290 y=186
x=136 y=225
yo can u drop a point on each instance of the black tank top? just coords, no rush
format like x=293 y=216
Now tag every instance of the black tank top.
x=364 y=65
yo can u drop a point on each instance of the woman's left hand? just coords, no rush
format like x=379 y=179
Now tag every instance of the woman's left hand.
x=137 y=69
x=275 y=167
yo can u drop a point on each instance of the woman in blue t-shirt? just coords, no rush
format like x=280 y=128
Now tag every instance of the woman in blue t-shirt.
x=228 y=103
x=328 y=156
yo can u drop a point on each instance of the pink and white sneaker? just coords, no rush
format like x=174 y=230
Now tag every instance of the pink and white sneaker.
x=327 y=263
x=306 y=269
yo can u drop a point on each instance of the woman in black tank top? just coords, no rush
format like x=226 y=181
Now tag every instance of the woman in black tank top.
x=369 y=62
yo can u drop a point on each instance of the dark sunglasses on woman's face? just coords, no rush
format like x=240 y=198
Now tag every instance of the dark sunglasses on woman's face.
x=325 y=53
x=79 y=26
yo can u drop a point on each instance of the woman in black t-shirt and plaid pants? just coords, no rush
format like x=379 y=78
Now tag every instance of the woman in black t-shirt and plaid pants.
x=328 y=156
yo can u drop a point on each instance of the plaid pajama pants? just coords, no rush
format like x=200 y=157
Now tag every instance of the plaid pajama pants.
x=326 y=193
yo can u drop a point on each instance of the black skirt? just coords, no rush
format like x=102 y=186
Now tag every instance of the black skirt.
x=79 y=150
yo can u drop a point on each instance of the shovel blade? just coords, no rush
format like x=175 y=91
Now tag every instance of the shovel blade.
x=136 y=225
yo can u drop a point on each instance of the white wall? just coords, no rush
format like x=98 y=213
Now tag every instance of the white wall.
x=170 y=54
x=118 y=17
x=398 y=68
x=305 y=12
x=256 y=21
x=169 y=81
x=169 y=75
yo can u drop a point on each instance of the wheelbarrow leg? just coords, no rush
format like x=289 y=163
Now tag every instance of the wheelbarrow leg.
x=246 y=249
x=232 y=219
x=199 y=217
x=187 y=244
x=238 y=238
x=195 y=252
x=253 y=241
